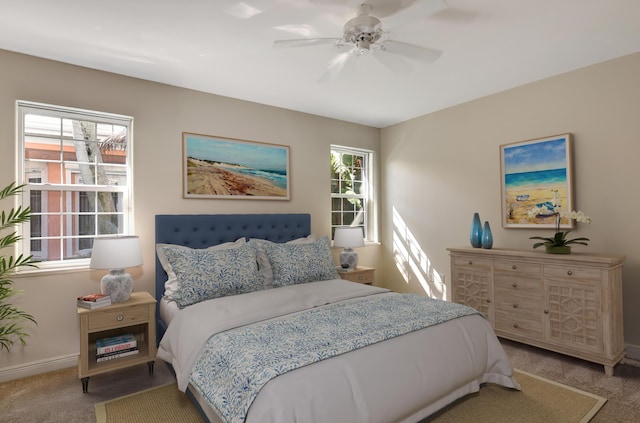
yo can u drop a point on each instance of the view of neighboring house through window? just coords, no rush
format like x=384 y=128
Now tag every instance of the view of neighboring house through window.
x=77 y=168
x=352 y=189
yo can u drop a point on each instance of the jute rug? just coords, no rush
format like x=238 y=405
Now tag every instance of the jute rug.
x=540 y=400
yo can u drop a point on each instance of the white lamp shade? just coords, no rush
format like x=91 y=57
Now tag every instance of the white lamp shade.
x=348 y=237
x=116 y=252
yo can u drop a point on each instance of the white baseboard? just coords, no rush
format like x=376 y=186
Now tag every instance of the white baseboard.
x=633 y=352
x=38 y=367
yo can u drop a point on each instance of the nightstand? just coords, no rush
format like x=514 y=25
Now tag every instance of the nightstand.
x=137 y=316
x=360 y=274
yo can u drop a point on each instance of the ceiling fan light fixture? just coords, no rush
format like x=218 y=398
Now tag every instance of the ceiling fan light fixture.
x=364 y=35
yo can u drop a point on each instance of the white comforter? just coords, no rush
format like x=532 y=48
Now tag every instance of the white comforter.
x=402 y=379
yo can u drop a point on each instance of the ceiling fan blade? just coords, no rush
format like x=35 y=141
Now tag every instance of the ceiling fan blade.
x=412 y=51
x=417 y=10
x=394 y=64
x=335 y=66
x=304 y=42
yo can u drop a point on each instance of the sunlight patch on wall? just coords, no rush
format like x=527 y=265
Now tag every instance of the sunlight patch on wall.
x=412 y=261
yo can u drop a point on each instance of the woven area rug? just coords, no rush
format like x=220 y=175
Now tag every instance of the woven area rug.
x=540 y=400
x=161 y=404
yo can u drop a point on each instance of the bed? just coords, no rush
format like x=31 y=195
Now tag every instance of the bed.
x=305 y=345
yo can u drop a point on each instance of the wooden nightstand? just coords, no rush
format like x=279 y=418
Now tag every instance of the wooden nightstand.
x=136 y=315
x=360 y=274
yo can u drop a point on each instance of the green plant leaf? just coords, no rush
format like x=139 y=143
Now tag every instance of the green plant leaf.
x=12 y=318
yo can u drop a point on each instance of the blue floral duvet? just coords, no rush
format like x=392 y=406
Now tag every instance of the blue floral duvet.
x=236 y=364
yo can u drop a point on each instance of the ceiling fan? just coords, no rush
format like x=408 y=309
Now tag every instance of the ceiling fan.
x=364 y=34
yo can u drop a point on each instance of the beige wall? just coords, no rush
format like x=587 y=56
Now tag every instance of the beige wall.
x=440 y=168
x=436 y=170
x=160 y=114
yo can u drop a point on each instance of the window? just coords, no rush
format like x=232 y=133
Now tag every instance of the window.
x=352 y=190
x=77 y=168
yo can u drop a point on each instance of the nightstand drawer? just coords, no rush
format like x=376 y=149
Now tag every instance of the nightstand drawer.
x=116 y=318
x=360 y=275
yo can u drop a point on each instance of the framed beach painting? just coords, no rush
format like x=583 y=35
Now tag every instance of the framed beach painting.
x=226 y=168
x=537 y=182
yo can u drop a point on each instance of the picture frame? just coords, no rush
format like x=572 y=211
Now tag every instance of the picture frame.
x=226 y=168
x=537 y=173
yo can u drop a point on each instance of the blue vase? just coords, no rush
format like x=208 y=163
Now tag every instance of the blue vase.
x=487 y=237
x=476 y=231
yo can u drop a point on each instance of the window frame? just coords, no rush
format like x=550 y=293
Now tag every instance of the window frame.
x=368 y=177
x=68 y=215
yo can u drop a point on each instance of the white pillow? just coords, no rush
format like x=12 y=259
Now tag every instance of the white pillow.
x=265 y=273
x=171 y=285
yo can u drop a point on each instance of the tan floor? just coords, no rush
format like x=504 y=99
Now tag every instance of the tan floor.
x=57 y=397
x=622 y=390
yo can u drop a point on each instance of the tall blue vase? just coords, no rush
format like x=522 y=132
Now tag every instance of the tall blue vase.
x=476 y=231
x=487 y=237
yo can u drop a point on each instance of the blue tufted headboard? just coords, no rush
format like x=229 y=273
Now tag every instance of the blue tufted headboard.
x=205 y=230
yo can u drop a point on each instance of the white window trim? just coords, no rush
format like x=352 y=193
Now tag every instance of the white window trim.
x=23 y=246
x=372 y=209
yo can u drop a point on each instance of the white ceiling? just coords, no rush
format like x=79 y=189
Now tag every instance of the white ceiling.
x=487 y=46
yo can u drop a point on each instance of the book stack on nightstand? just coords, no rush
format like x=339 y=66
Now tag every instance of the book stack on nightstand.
x=93 y=301
x=360 y=274
x=116 y=347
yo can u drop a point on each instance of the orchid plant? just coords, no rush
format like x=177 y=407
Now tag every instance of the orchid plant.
x=560 y=238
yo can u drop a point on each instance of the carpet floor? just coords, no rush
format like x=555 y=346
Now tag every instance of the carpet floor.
x=57 y=396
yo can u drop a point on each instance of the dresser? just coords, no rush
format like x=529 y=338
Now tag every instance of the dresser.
x=568 y=303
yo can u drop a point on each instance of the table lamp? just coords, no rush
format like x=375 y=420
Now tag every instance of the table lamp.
x=116 y=254
x=348 y=237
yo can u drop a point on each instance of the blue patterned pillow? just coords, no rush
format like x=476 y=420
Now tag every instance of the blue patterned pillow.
x=265 y=273
x=205 y=274
x=300 y=263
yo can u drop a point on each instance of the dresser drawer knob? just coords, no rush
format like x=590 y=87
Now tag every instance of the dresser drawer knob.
x=470 y=261
x=120 y=317
x=488 y=300
x=546 y=312
x=569 y=272
x=515 y=325
x=515 y=306
x=514 y=267
x=515 y=284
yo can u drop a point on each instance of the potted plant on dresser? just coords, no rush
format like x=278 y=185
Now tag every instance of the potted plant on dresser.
x=12 y=318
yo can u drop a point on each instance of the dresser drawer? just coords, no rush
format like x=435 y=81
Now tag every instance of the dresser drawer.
x=515 y=303
x=519 y=324
x=516 y=267
x=572 y=272
x=116 y=318
x=472 y=263
x=517 y=284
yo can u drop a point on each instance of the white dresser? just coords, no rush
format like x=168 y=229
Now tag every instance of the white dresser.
x=568 y=303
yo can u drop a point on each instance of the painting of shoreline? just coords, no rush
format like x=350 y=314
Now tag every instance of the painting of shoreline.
x=536 y=173
x=216 y=167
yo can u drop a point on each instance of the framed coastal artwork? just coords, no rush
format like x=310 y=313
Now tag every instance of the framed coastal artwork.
x=537 y=182
x=226 y=168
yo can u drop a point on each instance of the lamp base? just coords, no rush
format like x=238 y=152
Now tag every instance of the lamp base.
x=118 y=285
x=348 y=259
